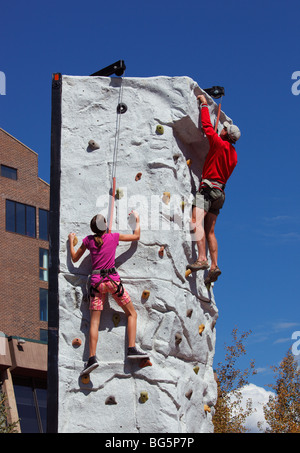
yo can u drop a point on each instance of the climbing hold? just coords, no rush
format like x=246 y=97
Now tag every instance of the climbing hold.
x=110 y=400
x=144 y=397
x=201 y=328
x=189 y=312
x=182 y=205
x=75 y=241
x=122 y=108
x=93 y=145
x=145 y=294
x=116 y=319
x=207 y=408
x=144 y=363
x=119 y=194
x=85 y=379
x=138 y=176
x=159 y=129
x=161 y=251
x=178 y=338
x=189 y=394
x=196 y=369
x=187 y=272
x=189 y=162
x=76 y=342
x=166 y=197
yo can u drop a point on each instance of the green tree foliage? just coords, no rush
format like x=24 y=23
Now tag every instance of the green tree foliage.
x=282 y=412
x=6 y=427
x=229 y=414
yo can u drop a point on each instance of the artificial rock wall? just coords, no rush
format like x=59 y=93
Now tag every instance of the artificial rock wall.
x=159 y=139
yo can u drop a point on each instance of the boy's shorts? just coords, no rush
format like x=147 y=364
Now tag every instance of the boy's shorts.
x=211 y=200
x=97 y=302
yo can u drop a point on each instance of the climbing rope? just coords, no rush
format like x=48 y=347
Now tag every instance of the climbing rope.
x=121 y=108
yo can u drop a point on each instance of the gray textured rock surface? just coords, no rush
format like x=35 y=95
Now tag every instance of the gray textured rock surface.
x=89 y=112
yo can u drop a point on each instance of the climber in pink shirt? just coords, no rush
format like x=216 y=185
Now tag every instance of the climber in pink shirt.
x=105 y=279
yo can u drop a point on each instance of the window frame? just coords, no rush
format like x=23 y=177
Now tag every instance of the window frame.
x=7 y=167
x=26 y=219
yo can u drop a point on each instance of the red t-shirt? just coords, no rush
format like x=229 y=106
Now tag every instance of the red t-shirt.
x=221 y=158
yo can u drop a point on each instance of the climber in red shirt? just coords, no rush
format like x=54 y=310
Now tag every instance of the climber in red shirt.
x=218 y=166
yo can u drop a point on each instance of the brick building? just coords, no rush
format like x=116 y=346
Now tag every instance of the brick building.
x=24 y=248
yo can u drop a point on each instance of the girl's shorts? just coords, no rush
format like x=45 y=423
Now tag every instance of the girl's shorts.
x=97 y=302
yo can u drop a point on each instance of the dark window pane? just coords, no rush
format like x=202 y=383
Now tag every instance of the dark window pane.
x=43 y=304
x=10 y=216
x=43 y=224
x=20 y=218
x=8 y=172
x=30 y=221
x=44 y=335
x=26 y=409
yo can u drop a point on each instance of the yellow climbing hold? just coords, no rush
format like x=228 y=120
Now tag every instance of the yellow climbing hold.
x=182 y=205
x=196 y=369
x=207 y=408
x=145 y=294
x=85 y=379
x=166 y=197
x=116 y=319
x=144 y=397
x=159 y=129
x=189 y=162
x=201 y=328
x=75 y=241
x=119 y=194
x=187 y=272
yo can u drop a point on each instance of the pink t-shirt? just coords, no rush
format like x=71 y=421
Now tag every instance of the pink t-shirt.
x=103 y=257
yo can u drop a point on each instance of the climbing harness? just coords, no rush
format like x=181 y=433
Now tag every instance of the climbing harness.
x=106 y=273
x=121 y=108
x=216 y=92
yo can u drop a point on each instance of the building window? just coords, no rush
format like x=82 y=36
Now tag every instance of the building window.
x=20 y=218
x=9 y=172
x=43 y=304
x=44 y=335
x=43 y=224
x=31 y=399
x=44 y=264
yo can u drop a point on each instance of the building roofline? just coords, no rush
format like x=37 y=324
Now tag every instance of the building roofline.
x=27 y=147
x=14 y=138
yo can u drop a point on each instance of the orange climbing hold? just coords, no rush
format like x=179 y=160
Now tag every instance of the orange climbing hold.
x=138 y=176
x=76 y=342
x=207 y=408
x=85 y=379
x=144 y=363
x=146 y=294
x=161 y=251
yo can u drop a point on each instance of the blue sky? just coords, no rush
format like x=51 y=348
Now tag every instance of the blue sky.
x=250 y=48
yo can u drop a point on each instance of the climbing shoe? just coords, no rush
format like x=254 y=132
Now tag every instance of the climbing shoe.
x=198 y=265
x=134 y=353
x=212 y=276
x=90 y=366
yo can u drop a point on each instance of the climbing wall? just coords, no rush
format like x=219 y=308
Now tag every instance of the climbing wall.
x=146 y=133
